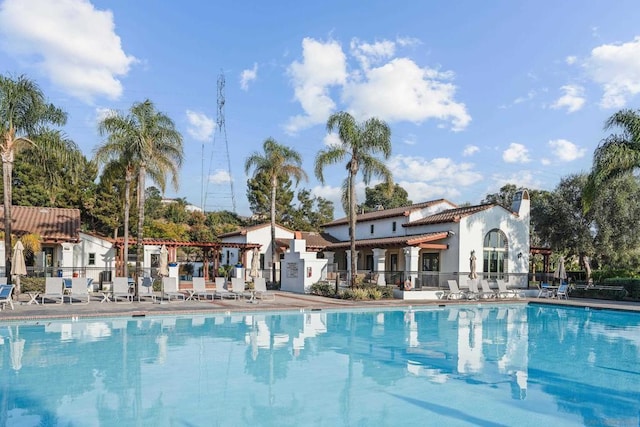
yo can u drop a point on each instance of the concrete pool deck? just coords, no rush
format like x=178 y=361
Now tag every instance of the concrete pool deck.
x=284 y=301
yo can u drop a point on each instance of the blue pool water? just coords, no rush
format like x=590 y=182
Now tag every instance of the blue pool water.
x=466 y=365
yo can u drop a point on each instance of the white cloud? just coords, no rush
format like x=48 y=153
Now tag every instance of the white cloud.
x=220 y=177
x=402 y=91
x=570 y=60
x=616 y=67
x=545 y=161
x=516 y=153
x=470 y=150
x=523 y=178
x=392 y=89
x=70 y=41
x=573 y=98
x=201 y=127
x=368 y=54
x=566 y=151
x=530 y=95
x=323 y=65
x=247 y=76
x=331 y=139
x=439 y=171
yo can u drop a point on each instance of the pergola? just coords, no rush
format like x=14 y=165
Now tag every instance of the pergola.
x=210 y=251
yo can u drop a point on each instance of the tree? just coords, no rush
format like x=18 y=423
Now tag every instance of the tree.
x=276 y=161
x=504 y=197
x=143 y=141
x=617 y=155
x=378 y=197
x=310 y=213
x=25 y=116
x=259 y=196
x=359 y=145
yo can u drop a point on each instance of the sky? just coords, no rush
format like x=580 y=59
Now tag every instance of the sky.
x=477 y=94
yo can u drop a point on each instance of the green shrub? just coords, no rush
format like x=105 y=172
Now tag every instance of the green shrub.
x=631 y=286
x=324 y=289
x=387 y=292
x=32 y=284
x=374 y=293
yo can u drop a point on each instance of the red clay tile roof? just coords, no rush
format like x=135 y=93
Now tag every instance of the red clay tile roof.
x=315 y=241
x=411 y=240
x=54 y=225
x=387 y=213
x=450 y=215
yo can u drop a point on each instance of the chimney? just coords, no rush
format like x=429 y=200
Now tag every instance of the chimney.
x=297 y=235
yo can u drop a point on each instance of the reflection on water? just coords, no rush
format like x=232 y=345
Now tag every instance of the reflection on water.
x=464 y=364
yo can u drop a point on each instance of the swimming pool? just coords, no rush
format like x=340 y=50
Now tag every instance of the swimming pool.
x=464 y=365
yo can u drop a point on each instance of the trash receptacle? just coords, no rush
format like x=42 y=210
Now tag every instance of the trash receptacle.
x=60 y=273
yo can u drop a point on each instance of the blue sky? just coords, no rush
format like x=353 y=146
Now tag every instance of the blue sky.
x=477 y=94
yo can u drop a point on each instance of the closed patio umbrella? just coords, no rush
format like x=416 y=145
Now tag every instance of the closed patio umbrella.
x=255 y=263
x=18 y=267
x=560 y=273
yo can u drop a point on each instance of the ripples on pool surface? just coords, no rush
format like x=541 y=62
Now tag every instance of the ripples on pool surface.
x=466 y=365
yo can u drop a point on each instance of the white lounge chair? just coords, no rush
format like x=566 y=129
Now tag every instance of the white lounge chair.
x=53 y=289
x=504 y=292
x=3 y=280
x=221 y=289
x=473 y=289
x=563 y=291
x=5 y=296
x=454 y=291
x=121 y=289
x=260 y=289
x=145 y=288
x=170 y=288
x=200 y=289
x=544 y=291
x=79 y=290
x=238 y=287
x=486 y=292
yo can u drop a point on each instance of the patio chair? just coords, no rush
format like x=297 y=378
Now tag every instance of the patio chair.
x=221 y=289
x=53 y=289
x=504 y=292
x=5 y=296
x=454 y=291
x=260 y=289
x=79 y=290
x=200 y=289
x=145 y=288
x=121 y=289
x=170 y=289
x=238 y=287
x=563 y=291
x=544 y=291
x=3 y=280
x=487 y=292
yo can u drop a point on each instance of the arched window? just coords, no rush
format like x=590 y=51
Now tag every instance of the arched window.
x=496 y=254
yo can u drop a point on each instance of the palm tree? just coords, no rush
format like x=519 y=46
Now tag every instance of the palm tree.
x=145 y=142
x=276 y=163
x=24 y=118
x=617 y=155
x=359 y=145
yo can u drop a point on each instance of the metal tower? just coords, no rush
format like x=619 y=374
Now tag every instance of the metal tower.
x=219 y=181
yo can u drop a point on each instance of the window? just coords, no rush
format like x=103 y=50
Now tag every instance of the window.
x=393 y=262
x=369 y=262
x=431 y=262
x=496 y=251
x=393 y=226
x=372 y=227
x=92 y=259
x=261 y=261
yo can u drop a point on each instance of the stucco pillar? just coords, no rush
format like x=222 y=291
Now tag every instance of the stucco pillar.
x=378 y=265
x=349 y=261
x=411 y=258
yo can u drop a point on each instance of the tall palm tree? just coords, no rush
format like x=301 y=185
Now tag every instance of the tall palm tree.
x=276 y=161
x=145 y=142
x=24 y=117
x=617 y=155
x=360 y=143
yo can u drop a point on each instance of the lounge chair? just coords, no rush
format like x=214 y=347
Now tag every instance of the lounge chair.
x=260 y=289
x=200 y=289
x=473 y=292
x=454 y=291
x=53 y=289
x=222 y=291
x=504 y=292
x=544 y=291
x=79 y=290
x=563 y=291
x=3 y=280
x=145 y=288
x=170 y=288
x=238 y=287
x=121 y=289
x=5 y=296
x=487 y=292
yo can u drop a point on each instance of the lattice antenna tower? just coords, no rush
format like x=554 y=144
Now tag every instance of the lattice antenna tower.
x=220 y=194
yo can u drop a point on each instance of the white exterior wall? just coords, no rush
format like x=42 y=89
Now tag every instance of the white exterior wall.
x=104 y=255
x=417 y=214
